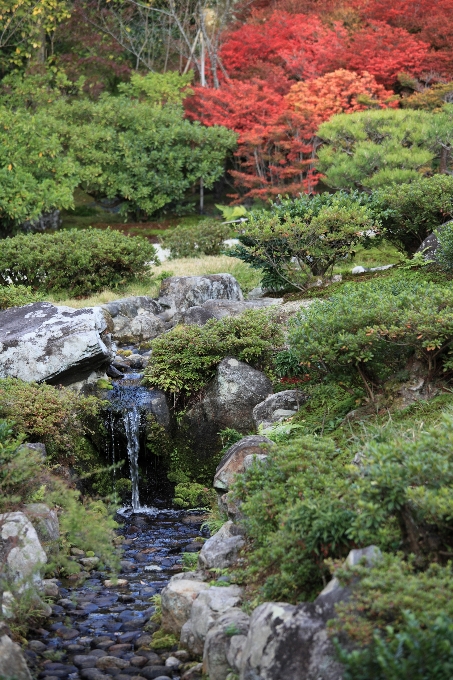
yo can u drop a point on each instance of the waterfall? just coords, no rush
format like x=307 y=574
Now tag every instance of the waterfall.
x=131 y=419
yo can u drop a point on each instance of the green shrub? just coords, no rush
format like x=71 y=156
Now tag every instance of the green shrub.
x=193 y=495
x=372 y=149
x=295 y=517
x=43 y=413
x=19 y=468
x=16 y=296
x=304 y=238
x=410 y=212
x=373 y=328
x=206 y=238
x=416 y=652
x=74 y=262
x=444 y=254
x=184 y=359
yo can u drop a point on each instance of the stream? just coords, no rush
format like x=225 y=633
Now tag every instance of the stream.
x=97 y=628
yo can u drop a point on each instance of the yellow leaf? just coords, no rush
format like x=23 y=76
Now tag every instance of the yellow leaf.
x=10 y=167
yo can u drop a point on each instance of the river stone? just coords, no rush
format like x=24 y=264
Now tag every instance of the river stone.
x=228 y=402
x=106 y=662
x=232 y=462
x=12 y=662
x=179 y=293
x=177 y=600
x=206 y=609
x=278 y=407
x=224 y=643
x=41 y=342
x=221 y=550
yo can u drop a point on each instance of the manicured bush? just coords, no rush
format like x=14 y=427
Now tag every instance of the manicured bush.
x=184 y=359
x=444 y=254
x=301 y=239
x=206 y=238
x=43 y=413
x=410 y=212
x=16 y=296
x=373 y=328
x=74 y=262
x=399 y=621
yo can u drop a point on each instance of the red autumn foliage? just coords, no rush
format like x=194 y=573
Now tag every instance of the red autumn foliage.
x=276 y=134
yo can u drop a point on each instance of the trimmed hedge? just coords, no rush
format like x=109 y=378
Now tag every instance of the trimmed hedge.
x=77 y=262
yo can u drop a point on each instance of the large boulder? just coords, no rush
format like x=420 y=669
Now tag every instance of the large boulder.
x=206 y=609
x=278 y=407
x=228 y=402
x=12 y=662
x=135 y=319
x=41 y=342
x=232 y=462
x=22 y=558
x=289 y=641
x=218 y=309
x=224 y=643
x=177 y=599
x=45 y=521
x=221 y=550
x=179 y=293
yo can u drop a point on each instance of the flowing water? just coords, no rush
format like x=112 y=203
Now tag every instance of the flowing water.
x=95 y=619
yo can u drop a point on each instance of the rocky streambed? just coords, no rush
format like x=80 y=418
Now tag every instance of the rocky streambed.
x=99 y=629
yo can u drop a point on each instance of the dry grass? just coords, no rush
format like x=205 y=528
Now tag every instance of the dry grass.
x=247 y=277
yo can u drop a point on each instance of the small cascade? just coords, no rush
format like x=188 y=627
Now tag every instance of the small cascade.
x=131 y=419
x=126 y=422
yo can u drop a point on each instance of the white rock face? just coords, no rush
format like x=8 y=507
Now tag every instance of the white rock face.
x=221 y=550
x=206 y=609
x=224 y=643
x=41 y=342
x=20 y=543
x=135 y=319
x=177 y=599
x=278 y=407
x=179 y=293
x=12 y=662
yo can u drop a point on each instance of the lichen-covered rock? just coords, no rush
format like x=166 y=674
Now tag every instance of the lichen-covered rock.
x=45 y=521
x=221 y=550
x=135 y=319
x=12 y=662
x=179 y=293
x=232 y=462
x=228 y=402
x=288 y=641
x=206 y=609
x=278 y=407
x=224 y=643
x=41 y=342
x=177 y=599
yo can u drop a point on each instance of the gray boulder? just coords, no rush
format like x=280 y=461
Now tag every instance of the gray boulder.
x=45 y=522
x=135 y=319
x=12 y=662
x=228 y=401
x=232 y=462
x=288 y=641
x=224 y=643
x=50 y=221
x=221 y=550
x=206 y=609
x=179 y=293
x=218 y=309
x=177 y=599
x=429 y=247
x=41 y=342
x=278 y=407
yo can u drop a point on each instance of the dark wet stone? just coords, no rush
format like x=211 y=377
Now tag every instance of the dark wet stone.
x=135 y=624
x=120 y=649
x=92 y=674
x=106 y=601
x=105 y=645
x=57 y=610
x=68 y=634
x=113 y=627
x=153 y=672
x=153 y=658
x=85 y=660
x=89 y=607
x=74 y=648
x=95 y=642
x=126 y=598
x=37 y=646
x=57 y=625
x=131 y=670
x=128 y=637
x=138 y=661
x=126 y=615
